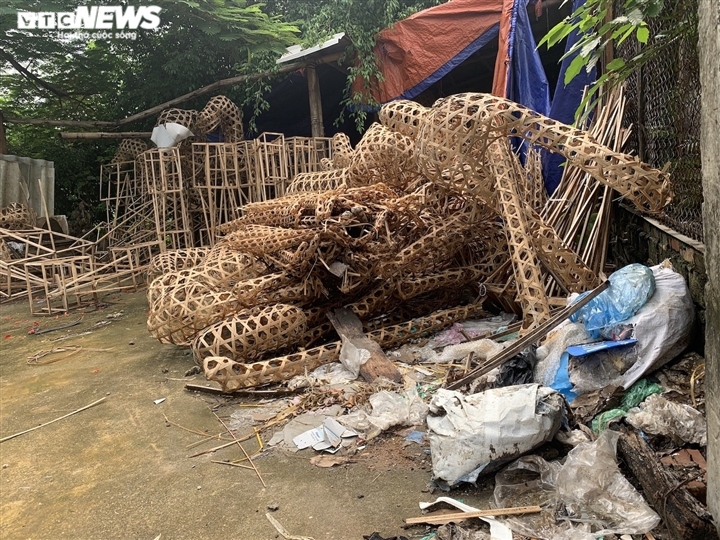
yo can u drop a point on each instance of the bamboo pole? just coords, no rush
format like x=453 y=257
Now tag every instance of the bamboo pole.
x=106 y=135
x=53 y=421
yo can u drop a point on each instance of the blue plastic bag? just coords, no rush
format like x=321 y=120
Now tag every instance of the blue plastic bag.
x=630 y=288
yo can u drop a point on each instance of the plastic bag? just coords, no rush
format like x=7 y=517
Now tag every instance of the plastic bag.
x=635 y=395
x=474 y=434
x=660 y=416
x=598 y=499
x=388 y=409
x=591 y=485
x=630 y=288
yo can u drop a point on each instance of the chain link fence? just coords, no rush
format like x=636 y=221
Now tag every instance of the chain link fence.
x=664 y=109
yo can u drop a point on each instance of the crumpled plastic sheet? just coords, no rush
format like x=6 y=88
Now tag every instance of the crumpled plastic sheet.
x=630 y=288
x=634 y=396
x=473 y=328
x=482 y=349
x=388 y=409
x=597 y=498
x=658 y=415
x=550 y=352
x=475 y=434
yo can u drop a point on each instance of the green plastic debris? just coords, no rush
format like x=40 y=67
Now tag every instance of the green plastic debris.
x=634 y=396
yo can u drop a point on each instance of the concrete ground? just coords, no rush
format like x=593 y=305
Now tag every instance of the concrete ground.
x=118 y=471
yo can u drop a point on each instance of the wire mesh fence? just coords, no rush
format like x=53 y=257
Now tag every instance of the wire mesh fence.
x=664 y=109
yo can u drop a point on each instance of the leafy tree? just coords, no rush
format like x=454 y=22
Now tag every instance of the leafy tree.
x=197 y=43
x=599 y=28
x=360 y=20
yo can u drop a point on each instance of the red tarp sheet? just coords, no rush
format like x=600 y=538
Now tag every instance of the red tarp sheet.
x=417 y=51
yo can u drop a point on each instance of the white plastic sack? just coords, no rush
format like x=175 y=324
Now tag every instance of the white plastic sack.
x=663 y=325
x=660 y=416
x=469 y=434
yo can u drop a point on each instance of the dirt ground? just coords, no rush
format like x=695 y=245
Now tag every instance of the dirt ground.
x=119 y=471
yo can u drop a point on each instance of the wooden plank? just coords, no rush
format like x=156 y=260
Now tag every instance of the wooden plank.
x=347 y=324
x=684 y=516
x=441 y=519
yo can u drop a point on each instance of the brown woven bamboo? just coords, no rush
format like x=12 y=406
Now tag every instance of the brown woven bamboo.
x=16 y=216
x=460 y=129
x=128 y=150
x=179 y=313
x=382 y=155
x=184 y=117
x=234 y=375
x=318 y=181
x=174 y=260
x=249 y=334
x=341 y=150
x=531 y=291
x=403 y=116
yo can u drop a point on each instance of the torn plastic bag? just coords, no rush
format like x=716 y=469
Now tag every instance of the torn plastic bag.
x=475 y=434
x=630 y=288
x=598 y=500
x=591 y=485
x=520 y=369
x=662 y=328
x=388 y=409
x=658 y=415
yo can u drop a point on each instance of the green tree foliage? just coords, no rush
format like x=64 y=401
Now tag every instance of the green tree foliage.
x=600 y=27
x=197 y=43
x=360 y=20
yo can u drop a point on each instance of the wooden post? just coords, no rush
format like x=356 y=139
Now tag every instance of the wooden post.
x=3 y=141
x=316 y=117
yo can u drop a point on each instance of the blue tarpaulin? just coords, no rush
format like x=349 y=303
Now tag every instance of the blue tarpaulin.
x=565 y=102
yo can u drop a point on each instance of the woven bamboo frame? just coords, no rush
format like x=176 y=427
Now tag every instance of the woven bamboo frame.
x=341 y=150
x=179 y=313
x=220 y=112
x=234 y=375
x=461 y=128
x=531 y=291
x=305 y=154
x=318 y=181
x=263 y=240
x=223 y=267
x=403 y=116
x=382 y=155
x=129 y=149
x=247 y=335
x=17 y=216
x=174 y=260
x=184 y=117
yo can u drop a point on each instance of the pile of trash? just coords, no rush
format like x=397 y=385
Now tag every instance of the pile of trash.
x=427 y=225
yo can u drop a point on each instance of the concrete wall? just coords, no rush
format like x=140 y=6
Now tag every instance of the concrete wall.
x=19 y=183
x=710 y=153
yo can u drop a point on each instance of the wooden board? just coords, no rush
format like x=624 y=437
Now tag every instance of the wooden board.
x=684 y=516
x=347 y=324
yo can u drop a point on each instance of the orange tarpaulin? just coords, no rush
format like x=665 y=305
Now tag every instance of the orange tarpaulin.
x=418 y=51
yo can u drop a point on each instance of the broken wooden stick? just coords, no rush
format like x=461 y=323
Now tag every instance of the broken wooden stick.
x=53 y=421
x=280 y=529
x=442 y=519
x=348 y=325
x=242 y=448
